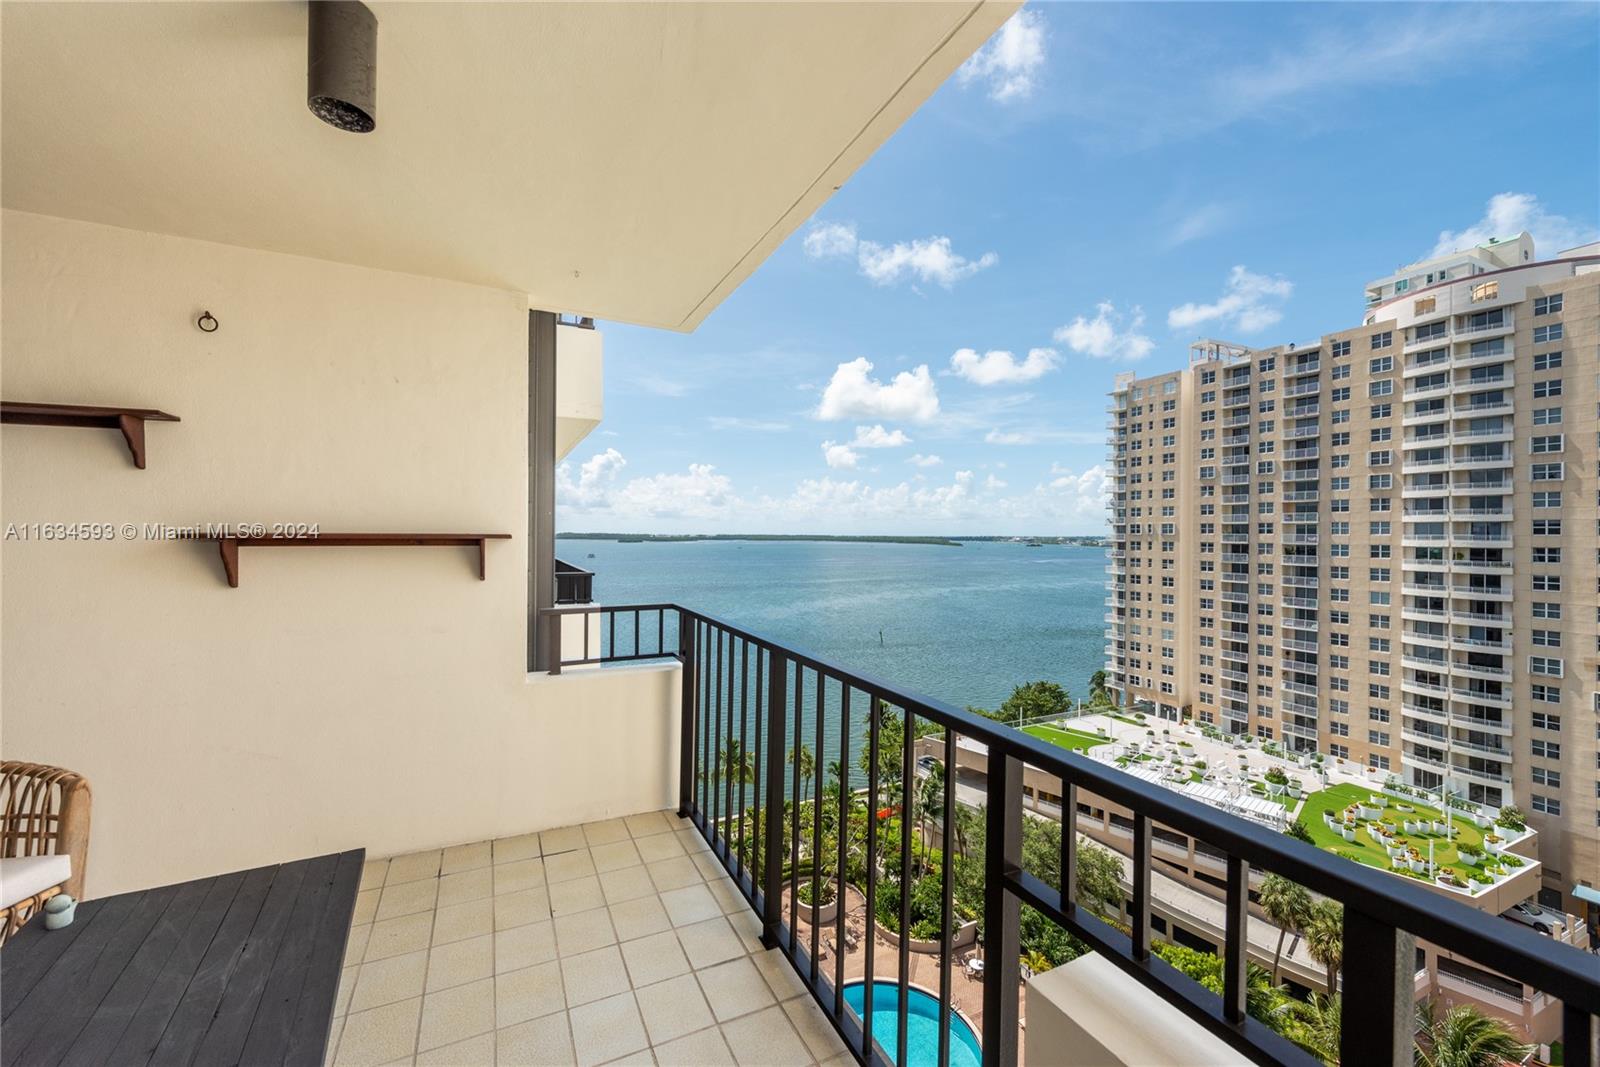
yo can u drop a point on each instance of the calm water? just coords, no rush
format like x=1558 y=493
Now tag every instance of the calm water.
x=964 y=625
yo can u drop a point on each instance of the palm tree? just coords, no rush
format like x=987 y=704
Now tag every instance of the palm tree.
x=1316 y=1026
x=805 y=766
x=930 y=798
x=1464 y=1037
x=1288 y=906
x=1325 y=939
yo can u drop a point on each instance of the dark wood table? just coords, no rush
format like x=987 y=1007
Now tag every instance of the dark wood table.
x=241 y=968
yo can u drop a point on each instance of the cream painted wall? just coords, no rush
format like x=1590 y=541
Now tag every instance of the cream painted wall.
x=339 y=697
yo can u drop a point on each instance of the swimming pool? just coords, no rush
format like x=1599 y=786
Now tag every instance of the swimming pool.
x=922 y=1025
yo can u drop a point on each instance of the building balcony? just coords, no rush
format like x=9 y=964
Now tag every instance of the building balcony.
x=1468 y=695
x=1479 y=670
x=1499 y=407
x=1496 y=566
x=1295 y=433
x=1302 y=388
x=1295 y=370
x=1242 y=419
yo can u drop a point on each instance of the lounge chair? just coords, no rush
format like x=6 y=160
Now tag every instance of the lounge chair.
x=44 y=838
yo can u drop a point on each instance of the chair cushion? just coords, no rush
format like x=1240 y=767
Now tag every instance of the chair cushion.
x=23 y=876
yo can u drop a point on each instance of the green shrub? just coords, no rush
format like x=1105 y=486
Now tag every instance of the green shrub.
x=1511 y=818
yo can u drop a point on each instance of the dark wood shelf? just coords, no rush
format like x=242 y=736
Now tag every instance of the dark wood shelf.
x=129 y=420
x=228 y=545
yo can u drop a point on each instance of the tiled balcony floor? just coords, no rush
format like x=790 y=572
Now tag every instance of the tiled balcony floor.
x=614 y=942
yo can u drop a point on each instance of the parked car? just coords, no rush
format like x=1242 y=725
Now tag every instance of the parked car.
x=1530 y=914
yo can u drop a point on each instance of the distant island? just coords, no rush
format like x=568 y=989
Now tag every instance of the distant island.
x=877 y=539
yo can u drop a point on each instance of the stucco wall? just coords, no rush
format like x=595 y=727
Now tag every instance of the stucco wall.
x=340 y=696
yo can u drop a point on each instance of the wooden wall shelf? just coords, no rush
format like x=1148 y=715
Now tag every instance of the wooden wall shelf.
x=129 y=420
x=229 y=545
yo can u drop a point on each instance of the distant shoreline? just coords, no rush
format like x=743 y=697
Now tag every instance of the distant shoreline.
x=939 y=542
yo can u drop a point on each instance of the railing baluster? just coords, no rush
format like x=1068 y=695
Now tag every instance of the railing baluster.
x=844 y=842
x=728 y=844
x=1383 y=1001
x=818 y=757
x=947 y=819
x=1235 y=955
x=686 y=712
x=1577 y=1037
x=744 y=744
x=794 y=822
x=907 y=782
x=874 y=714
x=1139 y=921
x=1069 y=846
x=712 y=675
x=1002 y=934
x=635 y=631
x=772 y=857
x=553 y=650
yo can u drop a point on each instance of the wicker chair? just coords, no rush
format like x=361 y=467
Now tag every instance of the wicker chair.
x=43 y=811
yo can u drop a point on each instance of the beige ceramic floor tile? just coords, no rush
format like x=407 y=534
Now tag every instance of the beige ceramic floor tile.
x=692 y=841
x=460 y=858
x=334 y=1031
x=654 y=959
x=355 y=946
x=630 y=883
x=347 y=986
x=594 y=976
x=638 y=918
x=512 y=849
x=543 y=1042
x=642 y=1058
x=674 y=873
x=564 y=839
x=380 y=1035
x=524 y=946
x=366 y=906
x=411 y=868
x=580 y=894
x=781 y=977
x=460 y=962
x=461 y=921
x=728 y=895
x=567 y=865
x=386 y=981
x=765 y=1039
x=648 y=823
x=658 y=848
x=396 y=937
x=519 y=875
x=408 y=898
x=614 y=856
x=708 y=865
x=734 y=988
x=606 y=1029
x=373 y=873
x=709 y=942
x=672 y=1009
x=473 y=1052
x=518 y=909
x=605 y=833
x=691 y=904
x=466 y=885
x=584 y=931
x=703 y=1049
x=528 y=994
x=452 y=1015
x=747 y=924
x=814 y=1028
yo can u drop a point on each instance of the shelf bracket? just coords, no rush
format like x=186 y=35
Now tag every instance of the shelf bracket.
x=133 y=431
x=229 y=548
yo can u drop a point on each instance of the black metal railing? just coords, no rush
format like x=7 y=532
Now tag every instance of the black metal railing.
x=752 y=708
x=574 y=585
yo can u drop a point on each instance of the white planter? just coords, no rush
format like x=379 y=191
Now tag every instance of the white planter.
x=1294 y=790
x=1417 y=866
x=1410 y=826
x=1377 y=800
x=1349 y=833
x=1493 y=848
x=1275 y=789
x=1470 y=861
x=819 y=916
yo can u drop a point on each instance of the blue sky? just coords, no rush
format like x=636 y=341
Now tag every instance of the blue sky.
x=1098 y=187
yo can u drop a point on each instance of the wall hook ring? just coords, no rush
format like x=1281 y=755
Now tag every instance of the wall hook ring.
x=207 y=322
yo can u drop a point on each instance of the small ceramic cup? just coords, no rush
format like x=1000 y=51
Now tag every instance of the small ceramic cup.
x=58 y=911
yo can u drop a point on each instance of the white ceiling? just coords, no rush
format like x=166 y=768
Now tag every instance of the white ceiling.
x=631 y=161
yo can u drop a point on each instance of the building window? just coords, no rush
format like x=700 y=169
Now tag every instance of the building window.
x=1547 y=361
x=1546 y=750
x=1546 y=416
x=1547 y=498
x=1546 y=334
x=1547 y=444
x=1546 y=805
x=1547 y=694
x=1424 y=306
x=1485 y=291
x=1548 y=305
x=1546 y=472
x=1547 y=527
x=1383 y=340
x=1548 y=666
x=1543 y=720
x=1340 y=348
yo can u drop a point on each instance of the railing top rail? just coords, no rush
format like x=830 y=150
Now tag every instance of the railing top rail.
x=1561 y=971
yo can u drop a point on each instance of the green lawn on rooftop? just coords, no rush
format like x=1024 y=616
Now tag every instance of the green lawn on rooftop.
x=1076 y=740
x=1364 y=850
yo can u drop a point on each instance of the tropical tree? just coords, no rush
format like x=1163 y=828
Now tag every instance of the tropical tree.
x=1464 y=1037
x=805 y=766
x=1288 y=906
x=1098 y=693
x=930 y=797
x=1035 y=700
x=1315 y=1025
x=1325 y=939
x=1297 y=830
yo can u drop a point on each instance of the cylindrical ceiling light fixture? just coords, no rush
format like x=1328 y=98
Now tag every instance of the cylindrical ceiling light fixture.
x=342 y=64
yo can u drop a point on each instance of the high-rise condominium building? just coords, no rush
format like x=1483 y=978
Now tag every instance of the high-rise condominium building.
x=1382 y=546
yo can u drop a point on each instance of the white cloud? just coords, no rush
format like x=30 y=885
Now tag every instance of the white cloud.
x=1201 y=222
x=853 y=394
x=1105 y=336
x=1002 y=437
x=594 y=477
x=1084 y=494
x=878 y=437
x=999 y=367
x=919 y=460
x=1249 y=303
x=828 y=240
x=735 y=422
x=992 y=484
x=1508 y=214
x=839 y=456
x=1011 y=60
x=930 y=260
x=653 y=383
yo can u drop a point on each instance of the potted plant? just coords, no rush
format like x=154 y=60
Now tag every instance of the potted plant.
x=1293 y=786
x=1470 y=854
x=1493 y=844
